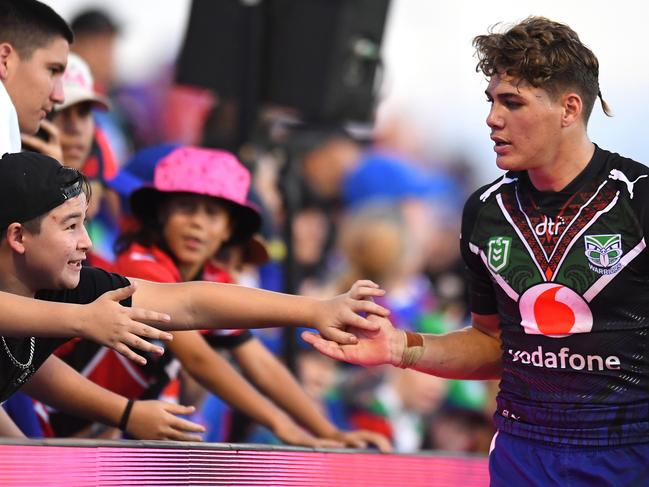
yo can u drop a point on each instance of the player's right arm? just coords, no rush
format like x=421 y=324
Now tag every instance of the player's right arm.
x=471 y=353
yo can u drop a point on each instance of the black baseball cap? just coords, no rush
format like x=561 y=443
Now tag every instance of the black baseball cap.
x=32 y=184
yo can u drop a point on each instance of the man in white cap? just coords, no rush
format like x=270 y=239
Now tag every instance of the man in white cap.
x=73 y=118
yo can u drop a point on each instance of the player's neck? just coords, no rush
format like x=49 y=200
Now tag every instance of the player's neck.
x=565 y=164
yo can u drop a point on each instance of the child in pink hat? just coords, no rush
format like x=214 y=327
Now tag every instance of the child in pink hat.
x=208 y=175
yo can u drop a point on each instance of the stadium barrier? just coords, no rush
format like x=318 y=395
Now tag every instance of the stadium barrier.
x=76 y=463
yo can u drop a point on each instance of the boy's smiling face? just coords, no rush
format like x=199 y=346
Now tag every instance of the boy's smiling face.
x=52 y=256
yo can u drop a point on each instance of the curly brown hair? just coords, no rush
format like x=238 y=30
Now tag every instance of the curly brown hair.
x=547 y=55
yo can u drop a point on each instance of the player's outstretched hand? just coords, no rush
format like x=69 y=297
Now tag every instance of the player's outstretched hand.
x=121 y=328
x=372 y=347
x=334 y=315
x=158 y=420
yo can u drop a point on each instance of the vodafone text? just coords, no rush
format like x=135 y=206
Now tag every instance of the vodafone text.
x=565 y=360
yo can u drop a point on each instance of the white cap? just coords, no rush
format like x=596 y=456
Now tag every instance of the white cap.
x=78 y=85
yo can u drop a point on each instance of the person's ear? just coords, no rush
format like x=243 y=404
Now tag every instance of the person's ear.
x=572 y=109
x=6 y=50
x=16 y=237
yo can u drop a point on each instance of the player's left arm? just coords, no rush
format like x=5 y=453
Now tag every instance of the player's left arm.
x=473 y=352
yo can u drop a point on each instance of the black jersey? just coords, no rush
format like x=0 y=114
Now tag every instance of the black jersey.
x=92 y=284
x=568 y=274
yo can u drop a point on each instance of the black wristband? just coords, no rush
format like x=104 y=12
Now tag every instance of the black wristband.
x=125 y=415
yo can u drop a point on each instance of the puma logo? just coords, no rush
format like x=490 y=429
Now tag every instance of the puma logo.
x=617 y=175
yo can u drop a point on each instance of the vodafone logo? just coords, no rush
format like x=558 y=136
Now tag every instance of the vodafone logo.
x=554 y=310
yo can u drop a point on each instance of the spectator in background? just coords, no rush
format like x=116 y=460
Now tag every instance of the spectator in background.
x=338 y=169
x=428 y=200
x=85 y=147
x=399 y=407
x=460 y=430
x=34 y=45
x=96 y=34
x=78 y=133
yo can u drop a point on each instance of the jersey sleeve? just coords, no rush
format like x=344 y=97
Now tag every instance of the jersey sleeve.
x=482 y=298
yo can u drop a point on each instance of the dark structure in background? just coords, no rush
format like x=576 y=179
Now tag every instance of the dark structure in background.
x=222 y=51
x=315 y=60
x=323 y=56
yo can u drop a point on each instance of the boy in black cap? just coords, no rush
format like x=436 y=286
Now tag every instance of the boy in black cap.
x=42 y=209
x=45 y=251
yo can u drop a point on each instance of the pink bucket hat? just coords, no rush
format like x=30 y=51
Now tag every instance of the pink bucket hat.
x=209 y=172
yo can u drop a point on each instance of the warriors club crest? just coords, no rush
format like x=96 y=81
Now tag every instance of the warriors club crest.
x=603 y=252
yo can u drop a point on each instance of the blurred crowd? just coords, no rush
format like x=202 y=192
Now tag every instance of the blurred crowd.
x=311 y=210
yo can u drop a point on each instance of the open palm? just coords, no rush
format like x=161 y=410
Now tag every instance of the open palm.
x=372 y=348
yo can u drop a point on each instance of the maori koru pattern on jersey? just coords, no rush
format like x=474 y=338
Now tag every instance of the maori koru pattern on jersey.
x=580 y=209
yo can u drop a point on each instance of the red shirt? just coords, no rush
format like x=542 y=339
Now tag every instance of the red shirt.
x=149 y=263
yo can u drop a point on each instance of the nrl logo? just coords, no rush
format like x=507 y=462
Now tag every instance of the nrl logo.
x=498 y=253
x=604 y=253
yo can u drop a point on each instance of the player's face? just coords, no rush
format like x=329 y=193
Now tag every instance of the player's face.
x=195 y=228
x=53 y=256
x=525 y=124
x=76 y=127
x=34 y=83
